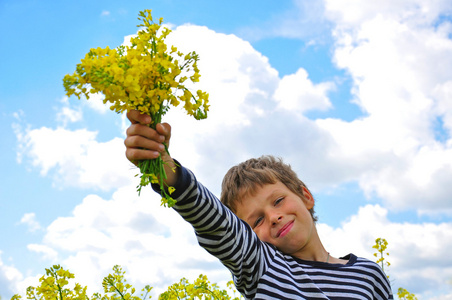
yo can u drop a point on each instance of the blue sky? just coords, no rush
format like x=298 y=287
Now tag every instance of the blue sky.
x=356 y=97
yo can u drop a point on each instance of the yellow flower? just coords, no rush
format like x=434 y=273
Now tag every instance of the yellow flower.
x=171 y=190
x=145 y=76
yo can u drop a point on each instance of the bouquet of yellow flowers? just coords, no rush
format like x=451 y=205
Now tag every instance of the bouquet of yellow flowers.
x=146 y=76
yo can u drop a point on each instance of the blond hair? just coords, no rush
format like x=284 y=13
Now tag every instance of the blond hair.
x=244 y=178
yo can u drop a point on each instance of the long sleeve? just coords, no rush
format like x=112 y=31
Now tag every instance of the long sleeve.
x=222 y=233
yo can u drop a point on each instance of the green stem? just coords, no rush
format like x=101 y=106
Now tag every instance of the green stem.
x=118 y=291
x=60 y=292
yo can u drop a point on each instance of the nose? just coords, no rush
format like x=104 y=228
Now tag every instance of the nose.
x=275 y=218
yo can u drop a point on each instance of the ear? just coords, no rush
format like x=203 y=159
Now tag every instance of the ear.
x=308 y=199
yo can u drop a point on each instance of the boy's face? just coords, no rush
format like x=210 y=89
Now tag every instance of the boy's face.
x=280 y=217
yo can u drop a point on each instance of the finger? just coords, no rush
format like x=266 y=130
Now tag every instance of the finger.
x=144 y=131
x=135 y=155
x=136 y=116
x=139 y=148
x=140 y=142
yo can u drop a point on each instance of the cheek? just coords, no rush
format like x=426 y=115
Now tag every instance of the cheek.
x=261 y=234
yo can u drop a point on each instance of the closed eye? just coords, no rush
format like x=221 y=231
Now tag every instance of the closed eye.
x=258 y=221
x=279 y=200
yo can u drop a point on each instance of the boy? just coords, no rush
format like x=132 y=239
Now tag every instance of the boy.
x=263 y=230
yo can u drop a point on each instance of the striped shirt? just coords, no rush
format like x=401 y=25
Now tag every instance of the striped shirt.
x=259 y=270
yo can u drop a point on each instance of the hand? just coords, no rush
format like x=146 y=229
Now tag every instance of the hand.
x=143 y=142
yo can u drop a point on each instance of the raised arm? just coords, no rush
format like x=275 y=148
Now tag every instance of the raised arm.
x=218 y=230
x=143 y=142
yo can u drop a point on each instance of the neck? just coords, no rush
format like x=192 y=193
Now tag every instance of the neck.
x=314 y=250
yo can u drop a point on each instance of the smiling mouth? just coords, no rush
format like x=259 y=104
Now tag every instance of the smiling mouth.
x=285 y=229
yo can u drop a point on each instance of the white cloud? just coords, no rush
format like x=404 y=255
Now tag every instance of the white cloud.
x=72 y=110
x=234 y=74
x=443 y=92
x=46 y=252
x=10 y=276
x=350 y=13
x=296 y=92
x=78 y=158
x=240 y=82
x=29 y=219
x=68 y=115
x=95 y=102
x=242 y=85
x=443 y=297
x=398 y=58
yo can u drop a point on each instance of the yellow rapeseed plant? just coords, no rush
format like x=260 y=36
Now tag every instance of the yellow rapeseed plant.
x=146 y=76
x=381 y=245
x=54 y=285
